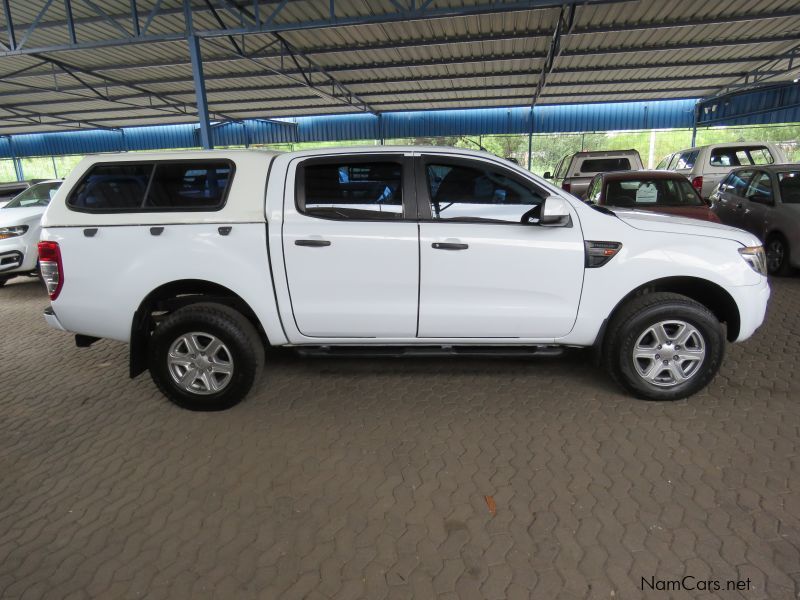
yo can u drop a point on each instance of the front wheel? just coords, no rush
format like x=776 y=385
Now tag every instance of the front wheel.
x=664 y=346
x=205 y=356
x=777 y=256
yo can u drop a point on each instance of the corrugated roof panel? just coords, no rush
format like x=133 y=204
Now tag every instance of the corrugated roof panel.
x=449 y=122
x=778 y=104
x=611 y=117
x=338 y=127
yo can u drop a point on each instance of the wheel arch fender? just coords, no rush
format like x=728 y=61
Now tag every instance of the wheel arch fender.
x=711 y=295
x=171 y=296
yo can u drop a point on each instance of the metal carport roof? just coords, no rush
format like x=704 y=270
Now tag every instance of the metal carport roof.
x=88 y=64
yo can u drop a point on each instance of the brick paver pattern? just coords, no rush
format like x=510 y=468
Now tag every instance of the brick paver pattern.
x=368 y=478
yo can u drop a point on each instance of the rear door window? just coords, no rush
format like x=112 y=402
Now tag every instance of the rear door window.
x=602 y=165
x=350 y=189
x=760 y=186
x=738 y=182
x=789 y=183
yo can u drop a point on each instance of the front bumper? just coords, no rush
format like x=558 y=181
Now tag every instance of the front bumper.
x=10 y=261
x=19 y=254
x=52 y=319
x=752 y=303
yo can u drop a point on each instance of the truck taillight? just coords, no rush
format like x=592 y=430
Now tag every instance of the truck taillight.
x=697 y=184
x=566 y=186
x=51 y=267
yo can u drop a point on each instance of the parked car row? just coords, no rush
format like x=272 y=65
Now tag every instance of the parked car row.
x=766 y=202
x=744 y=185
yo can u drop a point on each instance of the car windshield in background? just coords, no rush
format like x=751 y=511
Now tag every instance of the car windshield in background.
x=789 y=183
x=36 y=195
x=604 y=165
x=644 y=193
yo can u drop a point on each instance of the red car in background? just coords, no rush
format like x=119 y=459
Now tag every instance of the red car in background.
x=658 y=191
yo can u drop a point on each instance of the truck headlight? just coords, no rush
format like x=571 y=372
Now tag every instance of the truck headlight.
x=15 y=231
x=756 y=258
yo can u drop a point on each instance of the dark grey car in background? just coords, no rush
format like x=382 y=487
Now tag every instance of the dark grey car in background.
x=764 y=200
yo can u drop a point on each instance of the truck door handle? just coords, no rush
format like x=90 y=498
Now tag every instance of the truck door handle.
x=449 y=246
x=90 y=232
x=312 y=243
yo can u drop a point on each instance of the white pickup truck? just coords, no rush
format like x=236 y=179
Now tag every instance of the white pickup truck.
x=200 y=259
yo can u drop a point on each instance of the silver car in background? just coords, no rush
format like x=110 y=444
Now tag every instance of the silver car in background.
x=765 y=201
x=705 y=166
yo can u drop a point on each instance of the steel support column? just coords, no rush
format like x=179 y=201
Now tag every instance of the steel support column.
x=200 y=92
x=530 y=141
x=694 y=123
x=197 y=77
x=18 y=169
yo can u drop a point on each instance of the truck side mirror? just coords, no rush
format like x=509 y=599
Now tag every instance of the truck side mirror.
x=555 y=212
x=548 y=175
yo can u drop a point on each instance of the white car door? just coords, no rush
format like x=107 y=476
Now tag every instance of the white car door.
x=351 y=247
x=484 y=273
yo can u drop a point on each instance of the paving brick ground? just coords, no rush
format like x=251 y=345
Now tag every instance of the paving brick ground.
x=367 y=478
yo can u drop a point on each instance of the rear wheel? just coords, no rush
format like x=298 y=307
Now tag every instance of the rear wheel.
x=777 y=249
x=663 y=346
x=205 y=356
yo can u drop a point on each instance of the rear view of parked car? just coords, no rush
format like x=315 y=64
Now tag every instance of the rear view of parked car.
x=574 y=172
x=766 y=202
x=20 y=226
x=656 y=191
x=705 y=166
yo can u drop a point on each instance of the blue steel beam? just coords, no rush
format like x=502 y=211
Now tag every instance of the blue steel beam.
x=585 y=83
x=12 y=37
x=272 y=25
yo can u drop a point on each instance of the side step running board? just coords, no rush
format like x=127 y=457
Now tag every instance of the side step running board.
x=429 y=351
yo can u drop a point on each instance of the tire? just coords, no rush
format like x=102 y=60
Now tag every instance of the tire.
x=216 y=377
x=777 y=249
x=641 y=325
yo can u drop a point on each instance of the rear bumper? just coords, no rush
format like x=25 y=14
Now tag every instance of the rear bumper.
x=52 y=319
x=752 y=303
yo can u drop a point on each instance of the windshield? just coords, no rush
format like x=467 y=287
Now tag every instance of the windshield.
x=644 y=193
x=36 y=195
x=789 y=182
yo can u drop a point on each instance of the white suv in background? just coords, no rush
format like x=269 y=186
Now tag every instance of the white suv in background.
x=705 y=166
x=20 y=226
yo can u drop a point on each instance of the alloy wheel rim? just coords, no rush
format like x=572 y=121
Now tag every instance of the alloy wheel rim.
x=200 y=363
x=775 y=255
x=669 y=353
